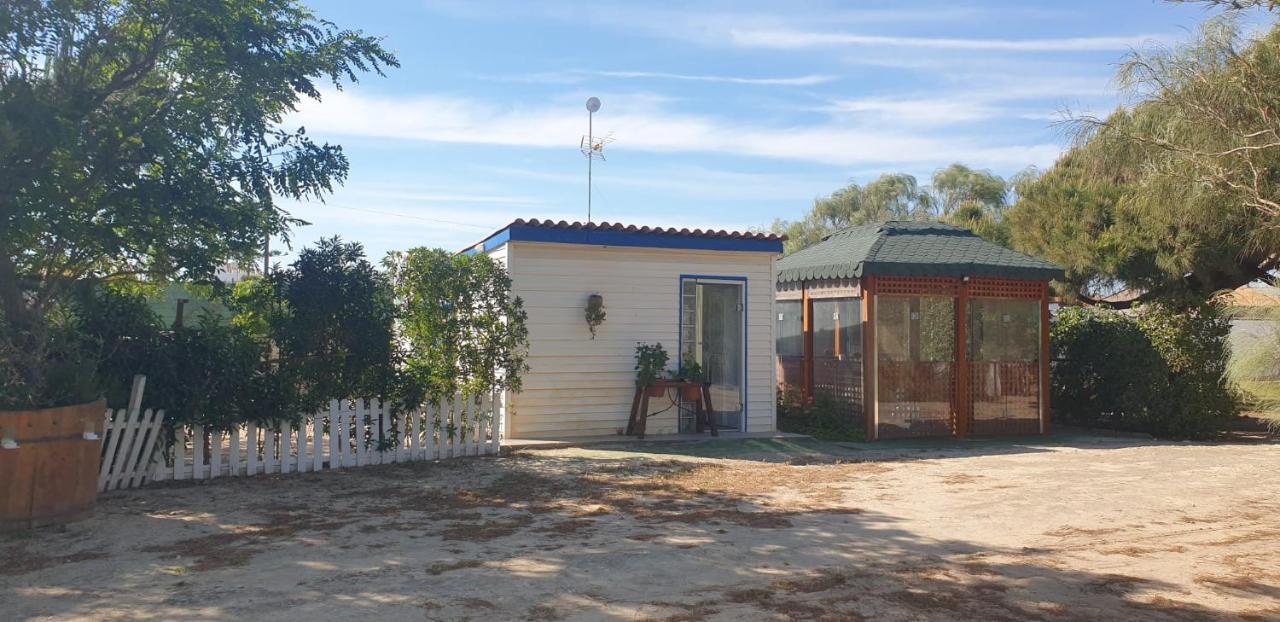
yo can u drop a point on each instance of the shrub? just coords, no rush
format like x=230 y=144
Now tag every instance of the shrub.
x=47 y=362
x=1195 y=347
x=826 y=419
x=125 y=335
x=461 y=328
x=330 y=318
x=1156 y=371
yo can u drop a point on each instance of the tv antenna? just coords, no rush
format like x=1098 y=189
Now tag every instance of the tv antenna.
x=591 y=146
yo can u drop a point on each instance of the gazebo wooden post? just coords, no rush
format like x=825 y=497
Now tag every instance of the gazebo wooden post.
x=1044 y=359
x=869 y=356
x=806 y=370
x=962 y=359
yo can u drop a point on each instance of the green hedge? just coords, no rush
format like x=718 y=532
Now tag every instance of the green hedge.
x=826 y=419
x=1152 y=370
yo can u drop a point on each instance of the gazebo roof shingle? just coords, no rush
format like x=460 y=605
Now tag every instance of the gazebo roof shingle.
x=910 y=248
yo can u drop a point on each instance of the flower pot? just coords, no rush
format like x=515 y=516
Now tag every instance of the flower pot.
x=49 y=464
x=656 y=390
x=691 y=392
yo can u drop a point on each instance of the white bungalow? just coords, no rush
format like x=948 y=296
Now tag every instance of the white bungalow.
x=705 y=294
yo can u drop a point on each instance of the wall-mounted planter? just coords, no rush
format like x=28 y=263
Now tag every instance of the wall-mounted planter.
x=594 y=313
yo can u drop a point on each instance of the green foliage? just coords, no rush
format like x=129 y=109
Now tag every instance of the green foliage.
x=125 y=335
x=1195 y=348
x=690 y=370
x=207 y=372
x=1176 y=195
x=213 y=374
x=826 y=419
x=67 y=373
x=594 y=313
x=461 y=328
x=1159 y=371
x=329 y=316
x=145 y=137
x=1255 y=367
x=958 y=195
x=651 y=363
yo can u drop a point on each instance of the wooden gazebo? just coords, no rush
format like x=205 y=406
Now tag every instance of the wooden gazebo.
x=959 y=327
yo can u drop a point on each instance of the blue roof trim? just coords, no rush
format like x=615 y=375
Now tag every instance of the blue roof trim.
x=488 y=244
x=527 y=233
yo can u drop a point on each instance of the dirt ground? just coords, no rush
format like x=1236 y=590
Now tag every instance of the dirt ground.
x=1084 y=529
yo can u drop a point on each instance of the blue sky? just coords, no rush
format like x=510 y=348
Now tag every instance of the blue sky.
x=724 y=114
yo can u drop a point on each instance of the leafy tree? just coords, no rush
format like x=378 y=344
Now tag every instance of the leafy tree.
x=959 y=187
x=958 y=194
x=143 y=137
x=1170 y=196
x=461 y=329
x=894 y=196
x=330 y=318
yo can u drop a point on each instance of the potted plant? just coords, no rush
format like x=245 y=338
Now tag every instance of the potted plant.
x=690 y=371
x=651 y=362
x=594 y=313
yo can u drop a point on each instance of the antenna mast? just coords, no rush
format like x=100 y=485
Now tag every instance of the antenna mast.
x=591 y=146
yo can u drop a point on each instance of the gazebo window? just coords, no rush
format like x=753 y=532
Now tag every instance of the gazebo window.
x=790 y=328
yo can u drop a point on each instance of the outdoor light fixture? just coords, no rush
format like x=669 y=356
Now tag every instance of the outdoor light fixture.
x=6 y=440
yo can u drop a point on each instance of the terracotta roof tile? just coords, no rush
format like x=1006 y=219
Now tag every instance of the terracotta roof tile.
x=614 y=226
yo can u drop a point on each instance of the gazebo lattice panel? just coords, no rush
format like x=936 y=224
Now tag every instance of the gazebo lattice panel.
x=917 y=286
x=1005 y=288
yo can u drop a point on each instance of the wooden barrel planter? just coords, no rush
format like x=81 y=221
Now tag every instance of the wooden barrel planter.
x=51 y=476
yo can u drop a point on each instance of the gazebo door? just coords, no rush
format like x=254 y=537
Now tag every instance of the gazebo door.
x=916 y=365
x=1004 y=350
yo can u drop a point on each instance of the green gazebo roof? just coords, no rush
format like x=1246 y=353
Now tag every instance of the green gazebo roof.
x=910 y=248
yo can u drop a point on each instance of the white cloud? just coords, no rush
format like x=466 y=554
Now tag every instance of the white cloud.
x=809 y=80
x=643 y=124
x=799 y=39
x=927 y=111
x=578 y=76
x=686 y=181
x=983 y=97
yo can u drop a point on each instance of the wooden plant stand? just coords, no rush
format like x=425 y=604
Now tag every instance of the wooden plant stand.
x=703 y=410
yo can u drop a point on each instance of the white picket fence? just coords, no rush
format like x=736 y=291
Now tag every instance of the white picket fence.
x=352 y=433
x=129 y=440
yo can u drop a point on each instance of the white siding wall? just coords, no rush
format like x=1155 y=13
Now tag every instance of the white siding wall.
x=582 y=387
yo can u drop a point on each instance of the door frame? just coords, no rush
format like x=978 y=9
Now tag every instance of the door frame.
x=746 y=316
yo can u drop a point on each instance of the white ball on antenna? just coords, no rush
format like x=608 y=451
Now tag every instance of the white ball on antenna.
x=593 y=104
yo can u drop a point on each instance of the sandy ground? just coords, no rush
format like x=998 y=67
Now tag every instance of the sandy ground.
x=1080 y=530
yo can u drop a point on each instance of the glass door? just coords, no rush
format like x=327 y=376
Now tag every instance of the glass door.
x=1004 y=365
x=915 y=369
x=712 y=332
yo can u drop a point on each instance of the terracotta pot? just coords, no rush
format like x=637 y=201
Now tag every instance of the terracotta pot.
x=51 y=476
x=691 y=393
x=656 y=390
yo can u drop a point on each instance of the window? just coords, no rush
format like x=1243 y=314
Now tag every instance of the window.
x=836 y=330
x=790 y=328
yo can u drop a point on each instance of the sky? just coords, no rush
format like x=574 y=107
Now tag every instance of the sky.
x=723 y=115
